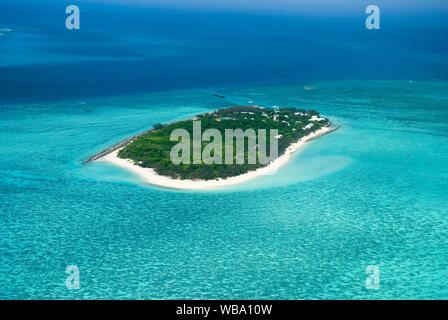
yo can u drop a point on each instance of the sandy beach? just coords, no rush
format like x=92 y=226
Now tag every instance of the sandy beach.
x=148 y=175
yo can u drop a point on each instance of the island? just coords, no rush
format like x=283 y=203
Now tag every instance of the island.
x=150 y=154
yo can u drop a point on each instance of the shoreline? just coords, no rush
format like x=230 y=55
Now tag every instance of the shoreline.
x=148 y=175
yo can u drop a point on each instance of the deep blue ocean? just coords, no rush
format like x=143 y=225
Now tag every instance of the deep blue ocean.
x=372 y=193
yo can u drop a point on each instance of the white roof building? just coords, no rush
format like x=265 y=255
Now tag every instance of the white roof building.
x=316 y=118
x=308 y=126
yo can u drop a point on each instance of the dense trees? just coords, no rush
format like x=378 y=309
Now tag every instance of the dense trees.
x=152 y=150
x=158 y=126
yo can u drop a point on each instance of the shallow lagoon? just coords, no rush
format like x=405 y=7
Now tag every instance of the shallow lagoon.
x=372 y=193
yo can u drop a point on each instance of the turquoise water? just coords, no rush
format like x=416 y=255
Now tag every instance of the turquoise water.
x=372 y=193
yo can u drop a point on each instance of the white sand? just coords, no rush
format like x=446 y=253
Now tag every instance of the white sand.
x=150 y=176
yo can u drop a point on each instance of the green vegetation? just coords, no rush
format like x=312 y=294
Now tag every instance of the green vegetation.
x=152 y=150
